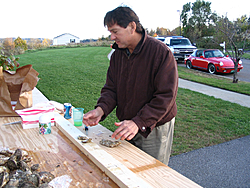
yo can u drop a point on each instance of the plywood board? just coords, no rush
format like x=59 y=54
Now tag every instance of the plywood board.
x=55 y=153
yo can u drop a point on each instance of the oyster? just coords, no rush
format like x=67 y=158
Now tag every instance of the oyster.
x=34 y=178
x=46 y=177
x=17 y=173
x=84 y=139
x=6 y=152
x=4 y=178
x=35 y=167
x=27 y=159
x=4 y=169
x=14 y=159
x=3 y=160
x=27 y=185
x=24 y=167
x=45 y=185
x=12 y=183
x=80 y=137
x=109 y=143
x=20 y=178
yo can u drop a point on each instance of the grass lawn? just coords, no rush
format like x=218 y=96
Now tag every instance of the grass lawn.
x=76 y=75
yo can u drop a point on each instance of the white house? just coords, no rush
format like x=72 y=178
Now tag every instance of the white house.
x=65 y=39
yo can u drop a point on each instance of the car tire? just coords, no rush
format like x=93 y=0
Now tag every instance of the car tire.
x=211 y=68
x=189 y=64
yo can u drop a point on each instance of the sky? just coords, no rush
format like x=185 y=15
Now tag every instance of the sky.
x=84 y=19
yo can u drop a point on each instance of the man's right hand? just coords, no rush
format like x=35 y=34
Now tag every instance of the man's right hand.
x=93 y=117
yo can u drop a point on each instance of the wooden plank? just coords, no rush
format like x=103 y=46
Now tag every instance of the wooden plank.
x=55 y=153
x=145 y=166
x=38 y=97
x=120 y=174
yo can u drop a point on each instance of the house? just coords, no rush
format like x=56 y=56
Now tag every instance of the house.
x=65 y=39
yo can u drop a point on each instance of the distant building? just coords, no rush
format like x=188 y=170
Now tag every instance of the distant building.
x=65 y=39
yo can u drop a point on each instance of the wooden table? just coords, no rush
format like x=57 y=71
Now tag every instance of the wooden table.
x=91 y=163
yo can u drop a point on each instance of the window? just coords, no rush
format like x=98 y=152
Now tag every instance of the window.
x=72 y=40
x=199 y=53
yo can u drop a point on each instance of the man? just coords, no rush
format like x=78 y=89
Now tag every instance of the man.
x=142 y=82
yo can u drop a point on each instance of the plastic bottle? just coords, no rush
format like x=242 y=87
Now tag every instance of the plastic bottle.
x=45 y=124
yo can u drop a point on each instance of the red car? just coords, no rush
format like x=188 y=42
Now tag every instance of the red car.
x=212 y=60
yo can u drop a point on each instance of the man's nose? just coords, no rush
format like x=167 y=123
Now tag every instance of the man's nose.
x=113 y=37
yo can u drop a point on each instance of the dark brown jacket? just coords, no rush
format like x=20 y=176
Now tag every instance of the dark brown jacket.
x=143 y=86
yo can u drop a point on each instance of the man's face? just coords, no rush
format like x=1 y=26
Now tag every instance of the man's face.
x=122 y=36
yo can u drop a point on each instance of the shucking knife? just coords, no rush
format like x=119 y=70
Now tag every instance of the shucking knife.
x=11 y=123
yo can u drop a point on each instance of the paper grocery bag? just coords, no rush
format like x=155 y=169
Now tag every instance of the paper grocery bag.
x=17 y=87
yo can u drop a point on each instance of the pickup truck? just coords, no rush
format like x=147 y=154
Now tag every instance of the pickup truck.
x=180 y=46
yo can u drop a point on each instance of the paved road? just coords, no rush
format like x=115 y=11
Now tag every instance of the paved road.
x=244 y=74
x=225 y=165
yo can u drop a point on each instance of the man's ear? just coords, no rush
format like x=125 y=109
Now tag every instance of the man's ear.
x=133 y=26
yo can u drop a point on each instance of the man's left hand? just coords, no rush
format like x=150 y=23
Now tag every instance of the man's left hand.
x=127 y=130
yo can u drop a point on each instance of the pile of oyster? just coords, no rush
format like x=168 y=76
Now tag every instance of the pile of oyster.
x=15 y=172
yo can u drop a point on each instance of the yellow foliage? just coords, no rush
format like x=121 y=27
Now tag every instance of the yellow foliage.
x=45 y=42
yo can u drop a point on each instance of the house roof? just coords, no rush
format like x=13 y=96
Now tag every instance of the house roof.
x=65 y=34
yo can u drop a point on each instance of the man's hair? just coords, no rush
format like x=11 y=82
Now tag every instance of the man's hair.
x=122 y=16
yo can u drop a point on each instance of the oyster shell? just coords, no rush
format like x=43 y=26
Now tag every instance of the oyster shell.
x=80 y=137
x=14 y=159
x=27 y=185
x=4 y=178
x=4 y=169
x=17 y=173
x=46 y=177
x=109 y=143
x=6 y=152
x=24 y=167
x=84 y=139
x=35 y=167
x=45 y=185
x=3 y=160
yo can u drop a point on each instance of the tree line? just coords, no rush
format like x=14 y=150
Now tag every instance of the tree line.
x=10 y=46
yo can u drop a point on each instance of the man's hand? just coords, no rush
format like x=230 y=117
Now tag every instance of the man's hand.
x=127 y=130
x=93 y=117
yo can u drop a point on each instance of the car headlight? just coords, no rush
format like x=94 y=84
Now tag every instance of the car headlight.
x=240 y=62
x=221 y=64
x=176 y=51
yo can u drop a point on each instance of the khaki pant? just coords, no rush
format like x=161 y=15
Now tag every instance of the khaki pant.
x=158 y=143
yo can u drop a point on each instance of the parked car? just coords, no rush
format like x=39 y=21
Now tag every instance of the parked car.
x=212 y=60
x=162 y=39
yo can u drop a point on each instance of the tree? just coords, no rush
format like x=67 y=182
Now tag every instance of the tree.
x=8 y=46
x=20 y=43
x=235 y=34
x=34 y=43
x=20 y=46
x=163 y=31
x=197 y=19
x=46 y=42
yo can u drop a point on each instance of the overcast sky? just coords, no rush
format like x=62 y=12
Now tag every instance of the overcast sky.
x=84 y=19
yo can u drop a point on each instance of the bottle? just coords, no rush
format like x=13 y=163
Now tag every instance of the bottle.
x=45 y=124
x=67 y=110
